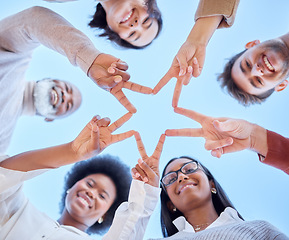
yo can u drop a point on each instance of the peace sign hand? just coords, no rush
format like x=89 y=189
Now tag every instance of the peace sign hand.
x=147 y=168
x=97 y=135
x=222 y=135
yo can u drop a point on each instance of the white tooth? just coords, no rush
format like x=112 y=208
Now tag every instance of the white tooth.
x=55 y=97
x=83 y=201
x=268 y=63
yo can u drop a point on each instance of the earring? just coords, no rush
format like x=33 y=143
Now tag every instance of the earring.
x=214 y=190
x=174 y=209
x=68 y=190
x=100 y=220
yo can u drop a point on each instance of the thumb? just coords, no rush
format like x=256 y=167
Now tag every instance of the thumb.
x=226 y=126
x=183 y=65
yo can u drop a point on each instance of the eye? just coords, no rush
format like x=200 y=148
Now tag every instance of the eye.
x=67 y=107
x=172 y=180
x=248 y=64
x=131 y=34
x=259 y=80
x=102 y=196
x=146 y=20
x=89 y=183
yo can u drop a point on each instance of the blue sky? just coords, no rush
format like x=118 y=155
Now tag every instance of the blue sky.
x=257 y=190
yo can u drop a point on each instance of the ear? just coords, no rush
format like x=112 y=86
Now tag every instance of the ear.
x=212 y=184
x=281 y=86
x=170 y=206
x=252 y=44
x=48 y=119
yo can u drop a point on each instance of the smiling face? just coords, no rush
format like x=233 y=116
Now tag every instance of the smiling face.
x=55 y=99
x=190 y=191
x=90 y=198
x=262 y=67
x=131 y=21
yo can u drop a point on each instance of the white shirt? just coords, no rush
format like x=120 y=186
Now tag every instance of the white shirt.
x=19 y=219
x=229 y=216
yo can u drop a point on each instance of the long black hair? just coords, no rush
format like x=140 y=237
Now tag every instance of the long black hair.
x=99 y=21
x=110 y=166
x=220 y=201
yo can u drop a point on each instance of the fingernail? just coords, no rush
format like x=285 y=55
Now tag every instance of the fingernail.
x=181 y=72
x=214 y=154
x=195 y=61
x=118 y=79
x=111 y=70
x=190 y=69
x=145 y=179
x=137 y=175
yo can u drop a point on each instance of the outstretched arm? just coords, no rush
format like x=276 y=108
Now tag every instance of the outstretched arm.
x=92 y=140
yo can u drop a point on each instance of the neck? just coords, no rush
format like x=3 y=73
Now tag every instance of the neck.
x=66 y=219
x=28 y=99
x=201 y=217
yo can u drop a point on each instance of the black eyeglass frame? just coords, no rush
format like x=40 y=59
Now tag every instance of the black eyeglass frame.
x=180 y=170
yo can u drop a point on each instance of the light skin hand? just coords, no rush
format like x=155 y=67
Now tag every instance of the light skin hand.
x=97 y=135
x=147 y=168
x=222 y=135
x=190 y=58
x=107 y=71
x=118 y=93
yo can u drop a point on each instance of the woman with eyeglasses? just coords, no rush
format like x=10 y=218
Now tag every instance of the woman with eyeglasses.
x=193 y=204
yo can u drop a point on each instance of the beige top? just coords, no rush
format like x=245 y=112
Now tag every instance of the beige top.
x=227 y=8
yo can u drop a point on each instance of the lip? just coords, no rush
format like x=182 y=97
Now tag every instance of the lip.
x=127 y=16
x=85 y=200
x=187 y=185
x=267 y=64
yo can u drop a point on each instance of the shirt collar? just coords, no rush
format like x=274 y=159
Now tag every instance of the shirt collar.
x=229 y=216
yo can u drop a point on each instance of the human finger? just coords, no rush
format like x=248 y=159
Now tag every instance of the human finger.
x=104 y=122
x=164 y=80
x=226 y=126
x=159 y=148
x=196 y=67
x=118 y=93
x=94 y=136
x=135 y=174
x=142 y=173
x=119 y=122
x=217 y=152
x=214 y=144
x=119 y=74
x=185 y=132
x=182 y=64
x=149 y=172
x=140 y=146
x=198 y=117
x=120 y=65
x=177 y=93
x=121 y=136
x=188 y=76
x=137 y=87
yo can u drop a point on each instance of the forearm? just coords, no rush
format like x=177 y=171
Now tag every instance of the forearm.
x=52 y=157
x=25 y=30
x=204 y=29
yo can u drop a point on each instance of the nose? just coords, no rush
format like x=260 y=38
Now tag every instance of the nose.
x=90 y=194
x=257 y=70
x=182 y=177
x=134 y=23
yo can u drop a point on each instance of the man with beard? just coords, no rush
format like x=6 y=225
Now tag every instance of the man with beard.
x=254 y=74
x=20 y=35
x=49 y=98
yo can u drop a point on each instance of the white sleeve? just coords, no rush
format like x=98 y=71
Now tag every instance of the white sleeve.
x=26 y=30
x=131 y=218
